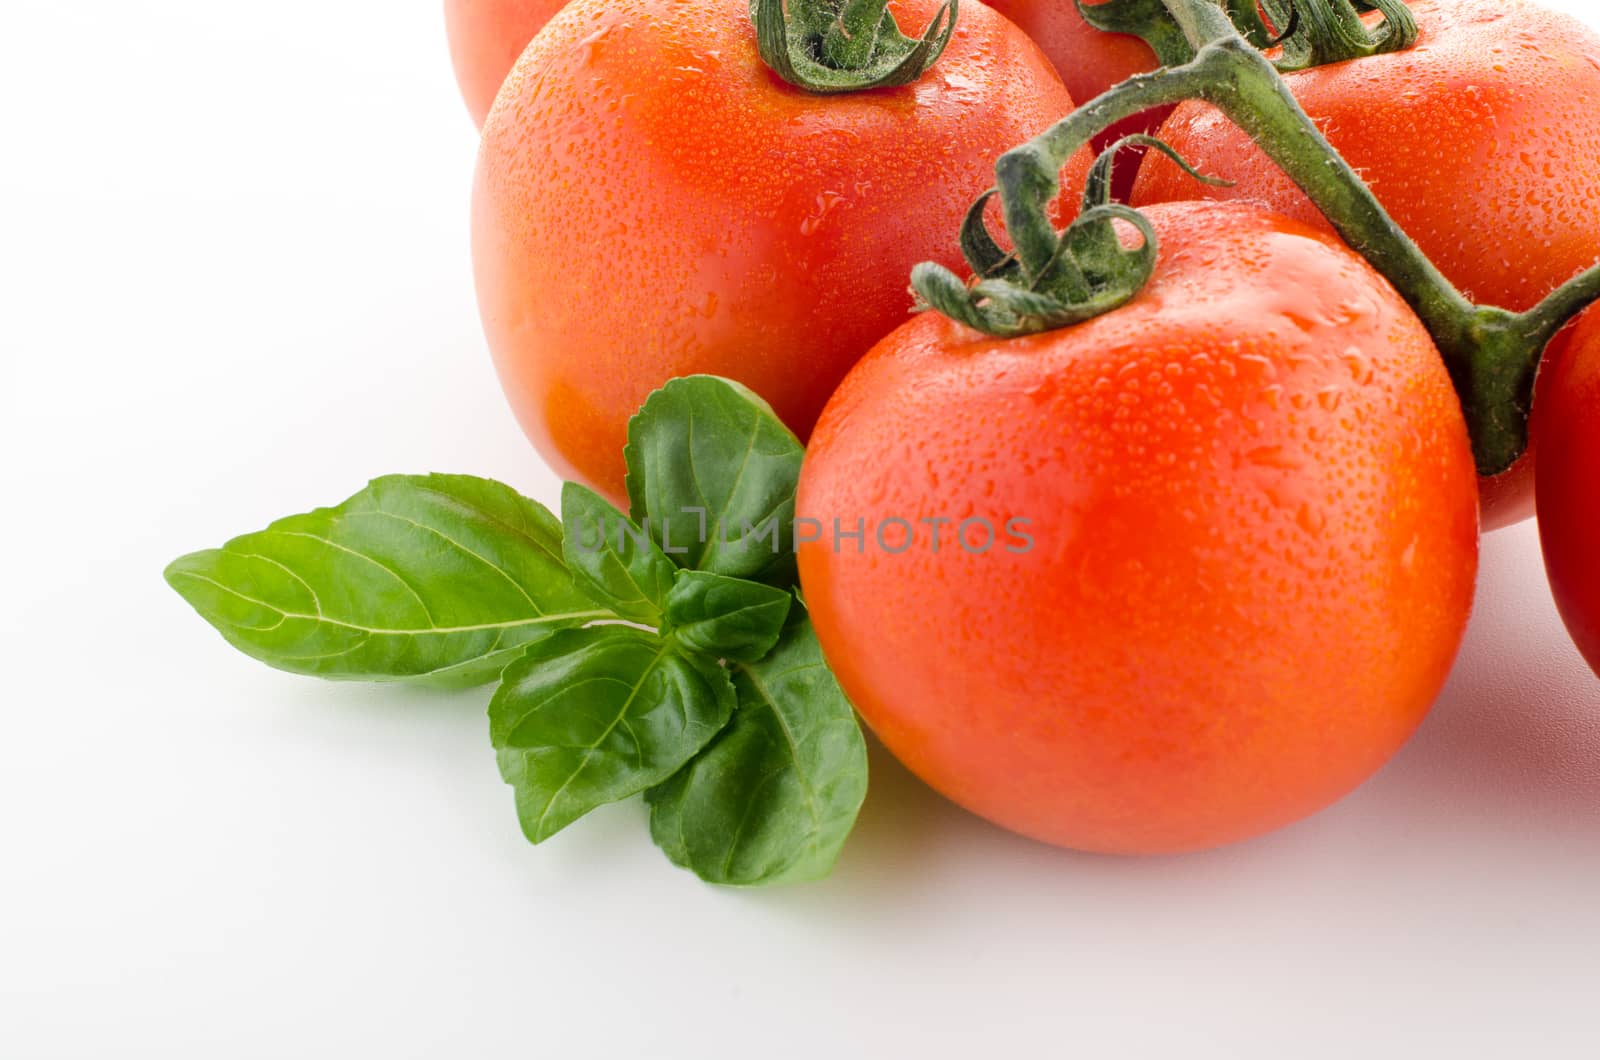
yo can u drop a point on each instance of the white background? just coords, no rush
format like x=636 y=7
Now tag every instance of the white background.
x=234 y=283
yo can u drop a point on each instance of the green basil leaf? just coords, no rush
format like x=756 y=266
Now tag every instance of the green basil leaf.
x=711 y=475
x=729 y=618
x=612 y=559
x=439 y=579
x=591 y=716
x=774 y=796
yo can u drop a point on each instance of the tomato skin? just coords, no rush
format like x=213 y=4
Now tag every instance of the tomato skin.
x=1088 y=60
x=1483 y=142
x=1566 y=427
x=1255 y=536
x=486 y=37
x=651 y=201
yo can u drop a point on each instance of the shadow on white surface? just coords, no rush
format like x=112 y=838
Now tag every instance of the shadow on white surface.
x=1515 y=738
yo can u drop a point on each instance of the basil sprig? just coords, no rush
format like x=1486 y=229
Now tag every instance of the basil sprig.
x=661 y=651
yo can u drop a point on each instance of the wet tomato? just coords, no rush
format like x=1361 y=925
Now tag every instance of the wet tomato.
x=651 y=201
x=1166 y=579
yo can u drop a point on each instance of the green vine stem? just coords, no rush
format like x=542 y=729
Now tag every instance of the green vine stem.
x=834 y=46
x=1147 y=20
x=1493 y=354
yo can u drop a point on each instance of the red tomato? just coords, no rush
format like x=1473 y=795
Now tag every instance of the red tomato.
x=1088 y=60
x=1566 y=424
x=652 y=201
x=486 y=36
x=1483 y=142
x=1244 y=561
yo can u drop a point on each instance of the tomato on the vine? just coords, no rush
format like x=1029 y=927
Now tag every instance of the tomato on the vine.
x=652 y=201
x=486 y=36
x=1482 y=141
x=1160 y=580
x=1566 y=426
x=1089 y=60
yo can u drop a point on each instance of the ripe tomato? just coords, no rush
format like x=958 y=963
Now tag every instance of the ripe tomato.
x=1566 y=423
x=1231 y=535
x=651 y=201
x=486 y=36
x=1483 y=142
x=1088 y=60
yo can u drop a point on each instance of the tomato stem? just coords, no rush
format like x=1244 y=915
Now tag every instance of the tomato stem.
x=1492 y=353
x=851 y=36
x=834 y=46
x=1561 y=305
x=1146 y=19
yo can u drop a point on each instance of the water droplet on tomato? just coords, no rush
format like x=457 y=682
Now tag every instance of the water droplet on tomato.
x=1261 y=366
x=1311 y=519
x=593 y=45
x=1300 y=320
x=1272 y=456
x=826 y=202
x=1360 y=365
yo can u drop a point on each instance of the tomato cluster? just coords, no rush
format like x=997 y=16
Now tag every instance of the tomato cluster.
x=1247 y=475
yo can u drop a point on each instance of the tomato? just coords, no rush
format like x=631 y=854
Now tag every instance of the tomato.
x=651 y=201
x=1483 y=142
x=1566 y=425
x=486 y=36
x=1088 y=60
x=1207 y=558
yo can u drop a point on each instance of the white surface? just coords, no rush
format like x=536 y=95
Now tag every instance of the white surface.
x=235 y=284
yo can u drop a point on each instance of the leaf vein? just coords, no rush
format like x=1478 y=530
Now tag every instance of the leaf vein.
x=381 y=631
x=461 y=548
x=644 y=676
x=362 y=556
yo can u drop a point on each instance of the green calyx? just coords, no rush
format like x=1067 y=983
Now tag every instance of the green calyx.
x=1310 y=32
x=834 y=46
x=1320 y=32
x=1077 y=275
